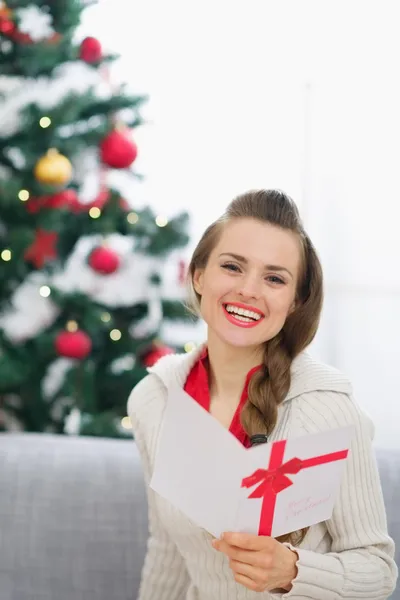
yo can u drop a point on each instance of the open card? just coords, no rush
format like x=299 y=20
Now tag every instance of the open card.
x=270 y=489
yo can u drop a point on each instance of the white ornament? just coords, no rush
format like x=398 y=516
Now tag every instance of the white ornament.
x=16 y=156
x=58 y=407
x=122 y=364
x=6 y=46
x=55 y=375
x=66 y=131
x=69 y=78
x=88 y=174
x=5 y=173
x=73 y=422
x=30 y=313
x=152 y=321
x=10 y=84
x=35 y=22
x=10 y=421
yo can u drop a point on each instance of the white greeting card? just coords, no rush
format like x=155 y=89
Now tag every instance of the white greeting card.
x=270 y=489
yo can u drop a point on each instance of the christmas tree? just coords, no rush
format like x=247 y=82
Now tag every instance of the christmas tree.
x=85 y=280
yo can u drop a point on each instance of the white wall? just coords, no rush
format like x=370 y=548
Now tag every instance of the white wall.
x=299 y=95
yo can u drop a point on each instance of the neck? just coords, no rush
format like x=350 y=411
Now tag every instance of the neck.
x=229 y=366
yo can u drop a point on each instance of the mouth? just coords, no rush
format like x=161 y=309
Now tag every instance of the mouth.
x=239 y=315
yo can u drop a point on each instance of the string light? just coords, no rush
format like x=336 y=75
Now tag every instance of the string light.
x=132 y=218
x=6 y=255
x=115 y=335
x=71 y=326
x=23 y=195
x=45 y=122
x=105 y=317
x=45 y=291
x=94 y=212
x=161 y=221
x=126 y=423
x=189 y=346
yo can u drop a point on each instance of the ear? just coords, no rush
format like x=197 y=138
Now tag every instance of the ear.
x=198 y=281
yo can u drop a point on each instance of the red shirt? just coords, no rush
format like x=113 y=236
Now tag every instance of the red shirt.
x=197 y=387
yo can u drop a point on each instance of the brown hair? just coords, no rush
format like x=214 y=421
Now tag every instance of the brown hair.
x=269 y=386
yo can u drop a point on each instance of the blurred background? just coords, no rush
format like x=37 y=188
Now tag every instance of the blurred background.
x=125 y=129
x=302 y=96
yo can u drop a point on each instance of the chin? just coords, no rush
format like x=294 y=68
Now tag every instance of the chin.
x=239 y=340
x=243 y=338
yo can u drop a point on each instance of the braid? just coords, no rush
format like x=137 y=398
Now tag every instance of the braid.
x=267 y=389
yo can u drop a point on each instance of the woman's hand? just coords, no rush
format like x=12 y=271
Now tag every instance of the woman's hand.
x=259 y=563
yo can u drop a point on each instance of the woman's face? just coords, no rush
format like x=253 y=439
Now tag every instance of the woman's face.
x=248 y=287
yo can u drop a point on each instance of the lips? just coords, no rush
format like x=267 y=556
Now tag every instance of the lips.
x=242 y=315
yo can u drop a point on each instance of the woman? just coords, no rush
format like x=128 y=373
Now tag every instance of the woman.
x=257 y=283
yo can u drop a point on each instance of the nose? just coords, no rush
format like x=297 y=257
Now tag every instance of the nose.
x=250 y=287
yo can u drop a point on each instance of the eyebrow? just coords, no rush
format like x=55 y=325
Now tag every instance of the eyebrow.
x=244 y=260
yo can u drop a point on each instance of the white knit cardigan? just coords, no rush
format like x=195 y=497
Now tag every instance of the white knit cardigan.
x=350 y=556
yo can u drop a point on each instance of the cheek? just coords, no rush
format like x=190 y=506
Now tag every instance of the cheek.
x=216 y=285
x=208 y=294
x=282 y=303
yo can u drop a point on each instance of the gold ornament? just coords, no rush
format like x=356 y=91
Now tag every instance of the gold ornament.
x=53 y=169
x=5 y=12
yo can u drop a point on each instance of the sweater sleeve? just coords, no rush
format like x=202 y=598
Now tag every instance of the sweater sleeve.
x=360 y=563
x=164 y=574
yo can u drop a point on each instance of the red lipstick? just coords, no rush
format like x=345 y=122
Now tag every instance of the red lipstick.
x=239 y=320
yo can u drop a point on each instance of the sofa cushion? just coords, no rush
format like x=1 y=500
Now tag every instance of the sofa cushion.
x=73 y=517
x=389 y=469
x=73 y=523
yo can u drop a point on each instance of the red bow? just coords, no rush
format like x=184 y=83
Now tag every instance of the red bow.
x=275 y=479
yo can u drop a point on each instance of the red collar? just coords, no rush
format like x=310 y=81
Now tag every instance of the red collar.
x=197 y=386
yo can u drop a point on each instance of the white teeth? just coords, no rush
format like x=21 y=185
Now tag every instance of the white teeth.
x=242 y=312
x=244 y=319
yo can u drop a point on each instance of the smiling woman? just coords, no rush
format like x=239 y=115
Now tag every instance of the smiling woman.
x=257 y=282
x=242 y=273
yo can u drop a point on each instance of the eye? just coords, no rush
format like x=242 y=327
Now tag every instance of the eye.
x=276 y=280
x=231 y=267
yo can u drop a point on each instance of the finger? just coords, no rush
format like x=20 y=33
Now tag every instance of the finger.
x=249 y=583
x=247 y=541
x=249 y=557
x=255 y=573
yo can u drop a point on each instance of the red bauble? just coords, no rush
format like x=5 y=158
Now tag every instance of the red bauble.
x=73 y=344
x=155 y=354
x=6 y=26
x=117 y=150
x=104 y=260
x=90 y=50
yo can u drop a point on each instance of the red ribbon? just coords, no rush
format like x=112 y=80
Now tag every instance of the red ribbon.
x=275 y=478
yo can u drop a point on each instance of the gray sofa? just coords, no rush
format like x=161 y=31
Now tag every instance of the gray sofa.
x=73 y=517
